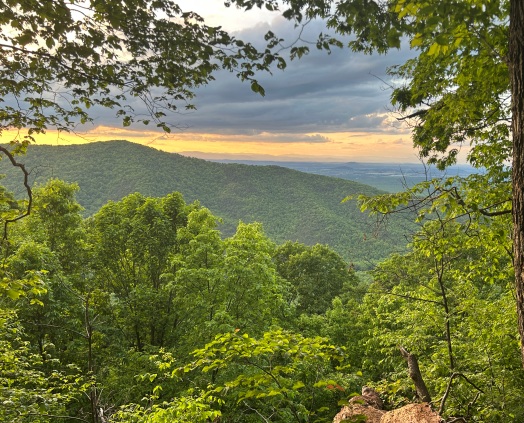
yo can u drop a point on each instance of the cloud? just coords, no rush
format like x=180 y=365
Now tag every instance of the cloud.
x=118 y=133
x=286 y=138
x=318 y=93
x=248 y=138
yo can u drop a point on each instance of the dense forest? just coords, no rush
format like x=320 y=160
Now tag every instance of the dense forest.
x=291 y=205
x=145 y=309
x=106 y=308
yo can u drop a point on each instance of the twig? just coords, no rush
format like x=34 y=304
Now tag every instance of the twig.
x=448 y=389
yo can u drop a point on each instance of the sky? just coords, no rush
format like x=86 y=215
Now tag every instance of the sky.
x=320 y=108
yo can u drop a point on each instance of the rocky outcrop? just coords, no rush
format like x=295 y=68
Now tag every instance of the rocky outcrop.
x=368 y=405
x=357 y=413
x=411 y=413
x=367 y=408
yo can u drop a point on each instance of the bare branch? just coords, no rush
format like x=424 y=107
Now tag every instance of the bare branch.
x=57 y=417
x=448 y=390
x=26 y=185
x=415 y=375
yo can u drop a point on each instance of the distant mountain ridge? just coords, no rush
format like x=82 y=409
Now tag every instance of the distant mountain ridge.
x=392 y=177
x=292 y=205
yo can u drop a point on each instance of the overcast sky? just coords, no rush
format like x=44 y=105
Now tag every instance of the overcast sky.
x=321 y=107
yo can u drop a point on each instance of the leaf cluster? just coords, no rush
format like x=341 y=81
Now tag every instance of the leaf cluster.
x=61 y=60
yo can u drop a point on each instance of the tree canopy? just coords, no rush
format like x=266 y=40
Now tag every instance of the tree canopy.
x=86 y=302
x=59 y=59
x=463 y=90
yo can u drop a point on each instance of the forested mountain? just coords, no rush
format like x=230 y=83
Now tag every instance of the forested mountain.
x=292 y=205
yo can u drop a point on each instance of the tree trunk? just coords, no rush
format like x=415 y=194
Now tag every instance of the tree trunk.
x=416 y=375
x=516 y=68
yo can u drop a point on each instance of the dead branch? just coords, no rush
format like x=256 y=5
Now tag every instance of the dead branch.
x=415 y=375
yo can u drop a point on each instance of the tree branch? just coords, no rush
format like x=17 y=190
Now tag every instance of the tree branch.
x=448 y=390
x=407 y=297
x=412 y=115
x=54 y=416
x=26 y=185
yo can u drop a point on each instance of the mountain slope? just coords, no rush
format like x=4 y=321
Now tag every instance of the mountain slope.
x=292 y=205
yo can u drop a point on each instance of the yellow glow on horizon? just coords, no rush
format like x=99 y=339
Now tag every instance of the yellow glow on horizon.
x=338 y=146
x=342 y=146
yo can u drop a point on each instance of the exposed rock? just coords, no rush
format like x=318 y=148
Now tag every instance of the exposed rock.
x=411 y=413
x=357 y=413
x=368 y=408
x=372 y=398
x=362 y=408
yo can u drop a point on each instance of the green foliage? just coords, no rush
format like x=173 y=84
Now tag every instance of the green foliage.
x=317 y=275
x=460 y=67
x=154 y=277
x=449 y=302
x=132 y=242
x=61 y=60
x=9 y=207
x=186 y=409
x=280 y=377
x=254 y=296
x=56 y=222
x=28 y=391
x=154 y=273
x=456 y=283
x=279 y=198
x=168 y=272
x=284 y=376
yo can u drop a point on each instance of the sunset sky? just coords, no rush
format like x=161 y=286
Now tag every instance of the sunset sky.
x=321 y=108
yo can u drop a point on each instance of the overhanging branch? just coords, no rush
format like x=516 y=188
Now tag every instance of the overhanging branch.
x=27 y=211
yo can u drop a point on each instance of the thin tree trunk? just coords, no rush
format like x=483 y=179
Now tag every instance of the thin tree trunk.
x=516 y=68
x=416 y=375
x=93 y=398
x=439 y=267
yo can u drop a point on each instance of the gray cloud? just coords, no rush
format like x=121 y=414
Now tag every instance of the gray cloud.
x=319 y=93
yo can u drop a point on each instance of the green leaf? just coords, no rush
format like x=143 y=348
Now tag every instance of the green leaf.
x=26 y=38
x=14 y=294
x=441 y=39
x=298 y=385
x=255 y=87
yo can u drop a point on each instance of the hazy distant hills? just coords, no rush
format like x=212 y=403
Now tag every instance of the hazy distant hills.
x=292 y=205
x=392 y=177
